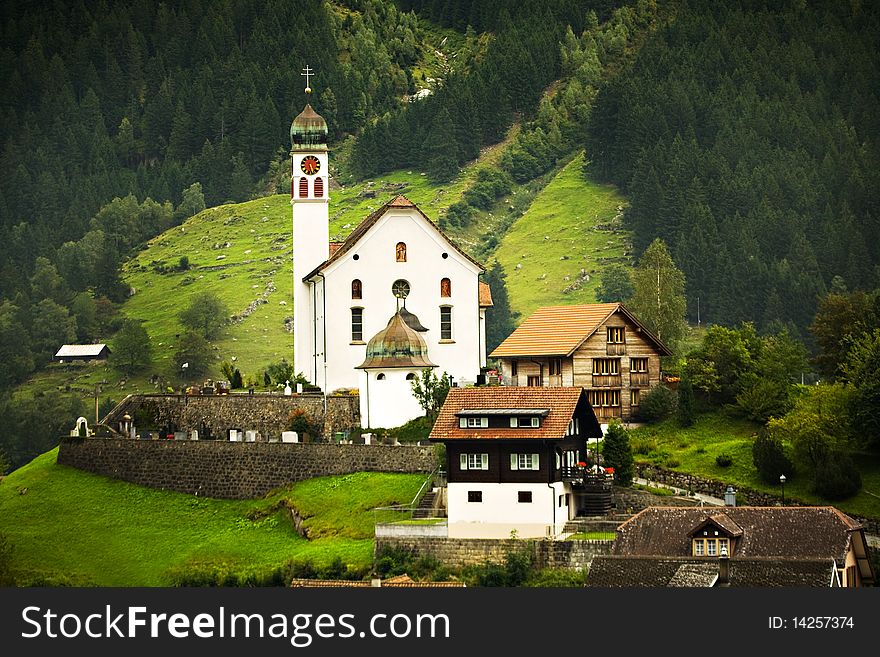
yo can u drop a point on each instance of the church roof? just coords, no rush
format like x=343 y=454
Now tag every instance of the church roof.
x=363 y=227
x=412 y=321
x=561 y=330
x=396 y=345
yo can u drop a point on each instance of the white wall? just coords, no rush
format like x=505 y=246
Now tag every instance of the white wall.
x=311 y=247
x=499 y=513
x=389 y=403
x=377 y=269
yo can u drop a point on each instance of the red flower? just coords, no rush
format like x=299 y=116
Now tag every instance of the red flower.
x=609 y=470
x=581 y=464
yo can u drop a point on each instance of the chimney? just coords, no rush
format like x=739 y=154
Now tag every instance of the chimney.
x=723 y=568
x=376 y=582
x=730 y=496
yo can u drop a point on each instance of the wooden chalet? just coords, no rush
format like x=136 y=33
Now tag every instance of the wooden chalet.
x=601 y=347
x=516 y=460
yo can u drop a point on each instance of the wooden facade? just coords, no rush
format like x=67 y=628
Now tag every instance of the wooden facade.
x=615 y=374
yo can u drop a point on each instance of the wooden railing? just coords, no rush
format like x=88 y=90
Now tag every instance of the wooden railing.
x=615 y=348
x=606 y=380
x=637 y=379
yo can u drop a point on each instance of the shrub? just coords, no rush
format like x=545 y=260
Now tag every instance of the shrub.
x=763 y=400
x=837 y=477
x=724 y=460
x=659 y=403
x=770 y=459
x=672 y=463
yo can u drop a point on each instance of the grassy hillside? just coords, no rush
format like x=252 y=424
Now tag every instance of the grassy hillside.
x=71 y=527
x=694 y=449
x=571 y=230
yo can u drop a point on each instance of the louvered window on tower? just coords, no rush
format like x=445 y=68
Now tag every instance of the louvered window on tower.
x=303 y=187
x=319 y=188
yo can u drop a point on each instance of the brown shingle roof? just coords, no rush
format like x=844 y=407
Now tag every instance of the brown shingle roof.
x=560 y=330
x=362 y=228
x=807 y=532
x=561 y=403
x=656 y=571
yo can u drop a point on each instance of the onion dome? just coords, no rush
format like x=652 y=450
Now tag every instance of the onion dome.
x=412 y=321
x=397 y=345
x=308 y=129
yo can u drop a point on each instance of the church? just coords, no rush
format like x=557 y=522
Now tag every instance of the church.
x=396 y=297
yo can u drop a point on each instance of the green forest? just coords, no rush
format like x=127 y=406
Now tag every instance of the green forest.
x=747 y=136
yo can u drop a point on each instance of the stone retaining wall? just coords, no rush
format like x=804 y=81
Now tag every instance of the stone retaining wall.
x=232 y=470
x=214 y=415
x=474 y=551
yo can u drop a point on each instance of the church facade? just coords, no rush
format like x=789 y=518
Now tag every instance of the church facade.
x=396 y=264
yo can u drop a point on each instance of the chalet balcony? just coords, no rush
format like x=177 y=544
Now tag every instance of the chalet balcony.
x=605 y=413
x=582 y=480
x=639 y=380
x=606 y=380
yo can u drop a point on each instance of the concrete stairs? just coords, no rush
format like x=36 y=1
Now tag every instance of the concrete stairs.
x=425 y=509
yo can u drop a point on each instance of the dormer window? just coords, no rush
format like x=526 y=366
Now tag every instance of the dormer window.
x=472 y=422
x=530 y=422
x=710 y=546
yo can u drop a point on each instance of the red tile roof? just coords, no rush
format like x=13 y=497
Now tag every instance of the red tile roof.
x=561 y=403
x=560 y=330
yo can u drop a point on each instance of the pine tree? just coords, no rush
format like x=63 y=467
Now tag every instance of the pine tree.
x=440 y=150
x=617 y=453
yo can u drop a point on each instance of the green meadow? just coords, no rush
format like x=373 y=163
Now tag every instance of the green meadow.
x=555 y=252
x=69 y=527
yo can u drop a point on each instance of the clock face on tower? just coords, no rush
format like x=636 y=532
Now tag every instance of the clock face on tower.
x=310 y=165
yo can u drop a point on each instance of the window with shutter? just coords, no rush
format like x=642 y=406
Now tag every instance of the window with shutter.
x=303 y=187
x=319 y=188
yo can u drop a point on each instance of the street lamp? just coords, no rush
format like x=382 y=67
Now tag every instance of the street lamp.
x=782 y=481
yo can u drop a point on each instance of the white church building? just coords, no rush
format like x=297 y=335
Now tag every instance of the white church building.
x=395 y=297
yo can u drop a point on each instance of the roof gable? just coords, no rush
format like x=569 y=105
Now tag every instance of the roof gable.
x=561 y=330
x=361 y=230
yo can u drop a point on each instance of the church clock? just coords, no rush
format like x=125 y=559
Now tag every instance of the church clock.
x=310 y=165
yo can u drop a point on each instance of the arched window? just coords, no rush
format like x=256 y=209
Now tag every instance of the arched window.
x=356 y=290
x=319 y=188
x=410 y=377
x=445 y=287
x=303 y=187
x=400 y=252
x=380 y=377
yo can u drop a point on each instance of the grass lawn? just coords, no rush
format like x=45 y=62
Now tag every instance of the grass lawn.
x=72 y=527
x=572 y=224
x=694 y=450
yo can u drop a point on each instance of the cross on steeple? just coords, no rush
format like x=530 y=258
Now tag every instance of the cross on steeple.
x=306 y=73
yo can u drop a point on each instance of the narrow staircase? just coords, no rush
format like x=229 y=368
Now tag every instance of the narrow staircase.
x=425 y=509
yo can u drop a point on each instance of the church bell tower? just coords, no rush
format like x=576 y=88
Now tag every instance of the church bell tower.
x=309 y=196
